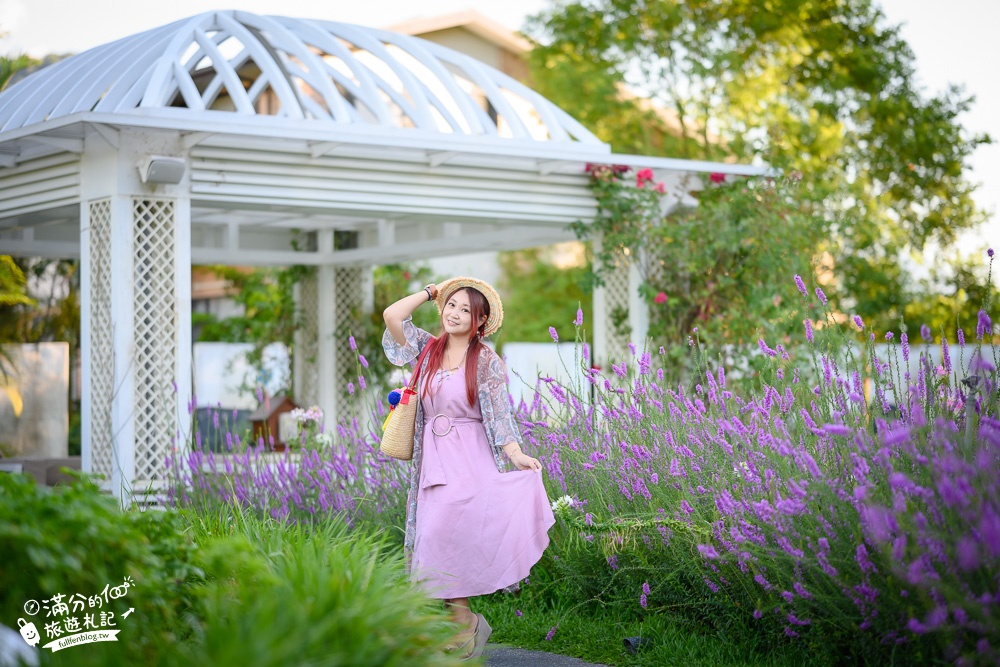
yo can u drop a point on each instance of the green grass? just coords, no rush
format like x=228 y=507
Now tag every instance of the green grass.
x=596 y=635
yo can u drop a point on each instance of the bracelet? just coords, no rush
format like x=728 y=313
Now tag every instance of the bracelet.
x=430 y=297
x=516 y=451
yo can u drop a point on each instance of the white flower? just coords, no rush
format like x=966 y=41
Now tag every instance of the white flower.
x=324 y=439
x=561 y=504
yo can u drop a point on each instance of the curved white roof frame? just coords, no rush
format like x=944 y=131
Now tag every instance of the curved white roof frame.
x=326 y=75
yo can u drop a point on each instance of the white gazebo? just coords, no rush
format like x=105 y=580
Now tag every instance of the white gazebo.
x=220 y=138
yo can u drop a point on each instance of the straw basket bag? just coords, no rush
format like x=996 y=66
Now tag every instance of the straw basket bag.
x=400 y=427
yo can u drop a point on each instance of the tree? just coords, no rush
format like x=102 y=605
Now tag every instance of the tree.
x=819 y=87
x=538 y=294
x=13 y=295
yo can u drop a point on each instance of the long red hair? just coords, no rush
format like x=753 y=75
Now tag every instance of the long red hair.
x=479 y=309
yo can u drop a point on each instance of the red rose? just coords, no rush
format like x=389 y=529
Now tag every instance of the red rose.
x=716 y=177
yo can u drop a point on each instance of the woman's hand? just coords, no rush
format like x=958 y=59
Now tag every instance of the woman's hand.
x=524 y=462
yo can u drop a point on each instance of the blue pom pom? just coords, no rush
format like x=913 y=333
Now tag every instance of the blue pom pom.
x=394 y=396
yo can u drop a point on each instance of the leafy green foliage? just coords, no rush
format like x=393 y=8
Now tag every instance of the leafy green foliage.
x=825 y=88
x=11 y=65
x=216 y=588
x=74 y=539
x=283 y=595
x=721 y=267
x=539 y=294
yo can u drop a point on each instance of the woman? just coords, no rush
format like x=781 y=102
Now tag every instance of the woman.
x=479 y=528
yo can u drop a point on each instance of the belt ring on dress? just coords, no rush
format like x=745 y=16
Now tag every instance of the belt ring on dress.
x=434 y=421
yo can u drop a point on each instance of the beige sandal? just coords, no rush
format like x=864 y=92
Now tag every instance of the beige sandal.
x=456 y=646
x=483 y=632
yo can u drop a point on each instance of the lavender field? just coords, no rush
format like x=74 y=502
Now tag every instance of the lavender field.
x=836 y=501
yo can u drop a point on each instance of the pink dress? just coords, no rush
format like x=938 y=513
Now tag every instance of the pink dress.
x=478 y=530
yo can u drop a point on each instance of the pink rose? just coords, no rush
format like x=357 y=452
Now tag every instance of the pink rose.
x=643 y=176
x=716 y=177
x=660 y=298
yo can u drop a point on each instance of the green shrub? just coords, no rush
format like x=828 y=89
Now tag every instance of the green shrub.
x=72 y=540
x=291 y=595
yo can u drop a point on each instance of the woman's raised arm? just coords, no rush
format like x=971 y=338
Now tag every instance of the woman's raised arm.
x=397 y=313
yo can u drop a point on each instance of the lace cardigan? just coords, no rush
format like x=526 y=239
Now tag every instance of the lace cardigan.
x=494 y=402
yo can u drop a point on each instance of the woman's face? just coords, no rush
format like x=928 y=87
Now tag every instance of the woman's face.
x=456 y=318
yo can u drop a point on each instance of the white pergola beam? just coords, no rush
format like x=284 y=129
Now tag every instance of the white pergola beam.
x=62 y=143
x=47 y=249
x=319 y=149
x=109 y=134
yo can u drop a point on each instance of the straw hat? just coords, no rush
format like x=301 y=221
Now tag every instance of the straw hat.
x=495 y=319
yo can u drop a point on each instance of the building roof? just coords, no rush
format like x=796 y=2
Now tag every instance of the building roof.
x=222 y=67
x=470 y=20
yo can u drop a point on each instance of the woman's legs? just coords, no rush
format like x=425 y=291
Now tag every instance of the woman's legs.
x=461 y=614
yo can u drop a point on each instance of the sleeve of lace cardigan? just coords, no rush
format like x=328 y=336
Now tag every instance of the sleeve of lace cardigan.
x=504 y=426
x=416 y=339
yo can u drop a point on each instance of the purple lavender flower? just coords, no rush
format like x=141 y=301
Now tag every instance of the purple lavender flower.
x=579 y=317
x=968 y=553
x=758 y=614
x=821 y=296
x=645 y=588
x=361 y=382
x=888 y=336
x=260 y=394
x=858 y=322
x=945 y=355
x=551 y=633
x=925 y=333
x=801 y=285
x=353 y=343
x=984 y=325
x=989 y=531
x=350 y=388
x=961 y=337
x=364 y=362
x=989 y=252
x=642 y=600
x=517 y=612
x=904 y=344
x=708 y=551
x=554 y=334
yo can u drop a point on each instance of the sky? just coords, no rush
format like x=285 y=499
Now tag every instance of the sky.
x=954 y=43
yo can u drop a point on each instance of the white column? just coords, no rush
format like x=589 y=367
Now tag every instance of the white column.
x=136 y=312
x=601 y=322
x=638 y=310
x=298 y=339
x=326 y=311
x=122 y=348
x=184 y=370
x=86 y=346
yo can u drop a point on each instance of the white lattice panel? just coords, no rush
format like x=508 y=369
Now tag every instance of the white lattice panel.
x=155 y=333
x=350 y=282
x=308 y=345
x=102 y=367
x=616 y=285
